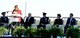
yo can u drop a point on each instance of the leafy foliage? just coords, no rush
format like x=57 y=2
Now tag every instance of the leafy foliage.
x=3 y=30
x=30 y=31
x=19 y=30
x=73 y=32
x=55 y=31
x=44 y=33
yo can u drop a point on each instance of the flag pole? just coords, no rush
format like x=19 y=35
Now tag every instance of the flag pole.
x=25 y=7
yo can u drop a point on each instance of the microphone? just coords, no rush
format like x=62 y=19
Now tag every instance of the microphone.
x=8 y=11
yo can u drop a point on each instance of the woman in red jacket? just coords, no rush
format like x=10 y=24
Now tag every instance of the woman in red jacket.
x=17 y=11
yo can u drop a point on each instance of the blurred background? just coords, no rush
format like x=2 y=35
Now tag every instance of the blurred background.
x=37 y=7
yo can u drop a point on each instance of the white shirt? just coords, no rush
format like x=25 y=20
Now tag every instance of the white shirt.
x=70 y=21
x=29 y=18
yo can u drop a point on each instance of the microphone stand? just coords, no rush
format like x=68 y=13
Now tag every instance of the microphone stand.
x=8 y=12
x=9 y=25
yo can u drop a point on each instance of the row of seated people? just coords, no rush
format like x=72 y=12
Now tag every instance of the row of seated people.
x=43 y=21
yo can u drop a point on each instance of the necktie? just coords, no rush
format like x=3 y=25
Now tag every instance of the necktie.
x=28 y=19
x=70 y=21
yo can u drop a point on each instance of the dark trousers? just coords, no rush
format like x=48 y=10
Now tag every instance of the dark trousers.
x=44 y=26
x=65 y=28
x=27 y=25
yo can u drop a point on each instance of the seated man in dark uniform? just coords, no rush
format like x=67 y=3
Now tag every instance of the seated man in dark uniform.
x=1 y=24
x=43 y=21
x=58 y=21
x=4 y=19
